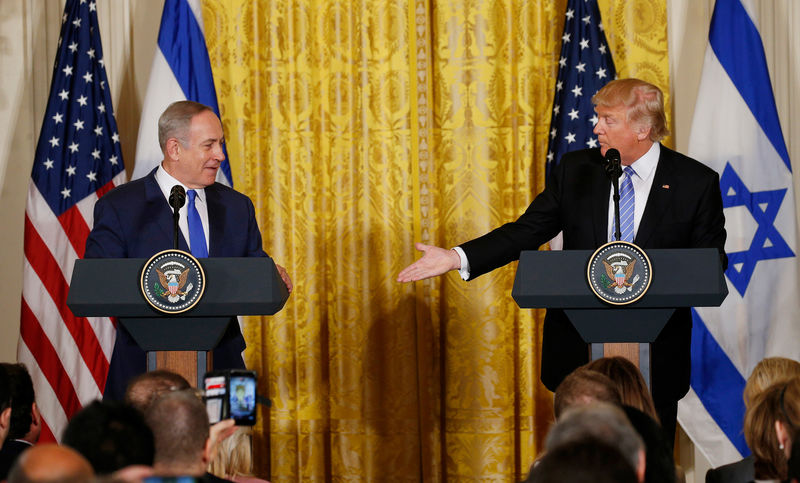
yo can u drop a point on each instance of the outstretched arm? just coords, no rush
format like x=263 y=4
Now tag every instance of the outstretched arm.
x=434 y=262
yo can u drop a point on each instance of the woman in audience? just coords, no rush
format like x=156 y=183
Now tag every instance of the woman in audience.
x=629 y=380
x=234 y=458
x=767 y=372
x=770 y=421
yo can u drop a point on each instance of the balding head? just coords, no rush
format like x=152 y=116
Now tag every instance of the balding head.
x=51 y=463
x=146 y=388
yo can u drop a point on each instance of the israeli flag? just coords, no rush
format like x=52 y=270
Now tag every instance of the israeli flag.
x=736 y=131
x=181 y=70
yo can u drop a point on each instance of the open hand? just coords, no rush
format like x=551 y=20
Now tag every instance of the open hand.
x=435 y=261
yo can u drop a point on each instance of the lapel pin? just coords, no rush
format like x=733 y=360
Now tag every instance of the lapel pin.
x=665 y=186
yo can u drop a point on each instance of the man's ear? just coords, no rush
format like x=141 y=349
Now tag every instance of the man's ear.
x=5 y=419
x=643 y=133
x=207 y=452
x=36 y=416
x=172 y=148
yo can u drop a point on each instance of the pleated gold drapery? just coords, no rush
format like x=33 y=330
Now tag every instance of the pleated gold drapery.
x=359 y=128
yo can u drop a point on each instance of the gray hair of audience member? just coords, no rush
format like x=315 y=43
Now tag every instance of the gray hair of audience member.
x=601 y=421
x=180 y=428
x=46 y=463
x=176 y=120
x=145 y=388
x=586 y=461
x=583 y=386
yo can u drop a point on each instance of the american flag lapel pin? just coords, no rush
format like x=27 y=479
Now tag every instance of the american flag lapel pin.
x=665 y=186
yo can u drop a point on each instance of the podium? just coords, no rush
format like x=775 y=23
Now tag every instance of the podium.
x=234 y=286
x=690 y=277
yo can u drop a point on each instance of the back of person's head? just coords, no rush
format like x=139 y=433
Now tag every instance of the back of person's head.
x=585 y=461
x=766 y=373
x=111 y=436
x=145 y=388
x=234 y=455
x=22 y=402
x=659 y=462
x=643 y=101
x=5 y=404
x=601 y=421
x=779 y=404
x=630 y=382
x=180 y=425
x=46 y=463
x=584 y=386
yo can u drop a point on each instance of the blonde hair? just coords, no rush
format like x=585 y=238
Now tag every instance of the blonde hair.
x=644 y=103
x=234 y=455
x=778 y=402
x=768 y=372
x=630 y=382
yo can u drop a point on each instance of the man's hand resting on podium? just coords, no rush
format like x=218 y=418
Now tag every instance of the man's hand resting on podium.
x=435 y=261
x=285 y=277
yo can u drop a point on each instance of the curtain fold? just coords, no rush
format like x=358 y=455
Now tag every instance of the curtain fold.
x=359 y=128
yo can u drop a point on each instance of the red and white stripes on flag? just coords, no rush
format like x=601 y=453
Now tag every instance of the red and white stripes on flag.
x=77 y=160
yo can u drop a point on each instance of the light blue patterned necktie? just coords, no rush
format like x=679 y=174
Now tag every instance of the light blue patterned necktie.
x=626 y=205
x=197 y=237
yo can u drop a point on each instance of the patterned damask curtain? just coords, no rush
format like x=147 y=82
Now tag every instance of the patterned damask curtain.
x=359 y=128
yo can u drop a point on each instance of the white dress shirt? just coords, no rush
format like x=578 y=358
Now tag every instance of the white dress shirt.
x=166 y=182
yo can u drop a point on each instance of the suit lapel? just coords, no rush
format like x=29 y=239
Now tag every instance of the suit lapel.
x=162 y=212
x=659 y=199
x=601 y=197
x=216 y=215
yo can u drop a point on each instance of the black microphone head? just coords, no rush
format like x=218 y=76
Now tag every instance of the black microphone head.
x=612 y=155
x=177 y=197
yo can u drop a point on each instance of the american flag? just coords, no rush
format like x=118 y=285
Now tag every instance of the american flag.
x=585 y=65
x=77 y=160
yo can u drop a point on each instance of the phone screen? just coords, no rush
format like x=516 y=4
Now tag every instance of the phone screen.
x=242 y=398
x=231 y=394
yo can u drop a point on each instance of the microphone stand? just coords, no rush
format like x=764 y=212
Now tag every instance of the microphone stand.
x=177 y=198
x=614 y=171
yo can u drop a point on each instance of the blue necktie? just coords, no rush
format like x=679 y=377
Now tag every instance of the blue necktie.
x=626 y=205
x=197 y=237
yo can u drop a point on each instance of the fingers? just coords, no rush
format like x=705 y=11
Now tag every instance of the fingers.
x=285 y=277
x=218 y=432
x=435 y=261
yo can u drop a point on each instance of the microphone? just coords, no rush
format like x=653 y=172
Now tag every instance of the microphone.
x=177 y=198
x=613 y=163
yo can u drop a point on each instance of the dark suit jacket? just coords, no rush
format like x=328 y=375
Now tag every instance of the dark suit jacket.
x=741 y=471
x=12 y=448
x=684 y=210
x=134 y=220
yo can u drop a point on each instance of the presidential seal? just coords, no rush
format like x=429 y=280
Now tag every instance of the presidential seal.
x=172 y=281
x=619 y=273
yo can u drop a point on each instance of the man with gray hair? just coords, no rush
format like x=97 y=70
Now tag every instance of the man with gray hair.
x=603 y=422
x=134 y=220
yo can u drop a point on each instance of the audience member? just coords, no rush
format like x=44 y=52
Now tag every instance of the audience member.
x=604 y=422
x=111 y=435
x=145 y=388
x=584 y=461
x=659 y=462
x=46 y=463
x=769 y=421
x=767 y=372
x=583 y=386
x=25 y=425
x=5 y=404
x=629 y=381
x=793 y=473
x=234 y=458
x=180 y=426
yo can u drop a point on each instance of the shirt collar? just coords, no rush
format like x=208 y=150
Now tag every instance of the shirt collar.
x=166 y=181
x=646 y=165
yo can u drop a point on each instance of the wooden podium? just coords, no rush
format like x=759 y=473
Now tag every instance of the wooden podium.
x=690 y=277
x=179 y=343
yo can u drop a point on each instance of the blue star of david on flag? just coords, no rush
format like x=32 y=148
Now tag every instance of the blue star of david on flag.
x=767 y=243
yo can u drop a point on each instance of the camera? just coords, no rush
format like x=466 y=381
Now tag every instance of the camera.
x=231 y=394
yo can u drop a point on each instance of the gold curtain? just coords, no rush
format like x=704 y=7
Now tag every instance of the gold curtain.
x=359 y=128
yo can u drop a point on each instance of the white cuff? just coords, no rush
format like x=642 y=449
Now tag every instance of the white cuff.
x=464 y=270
